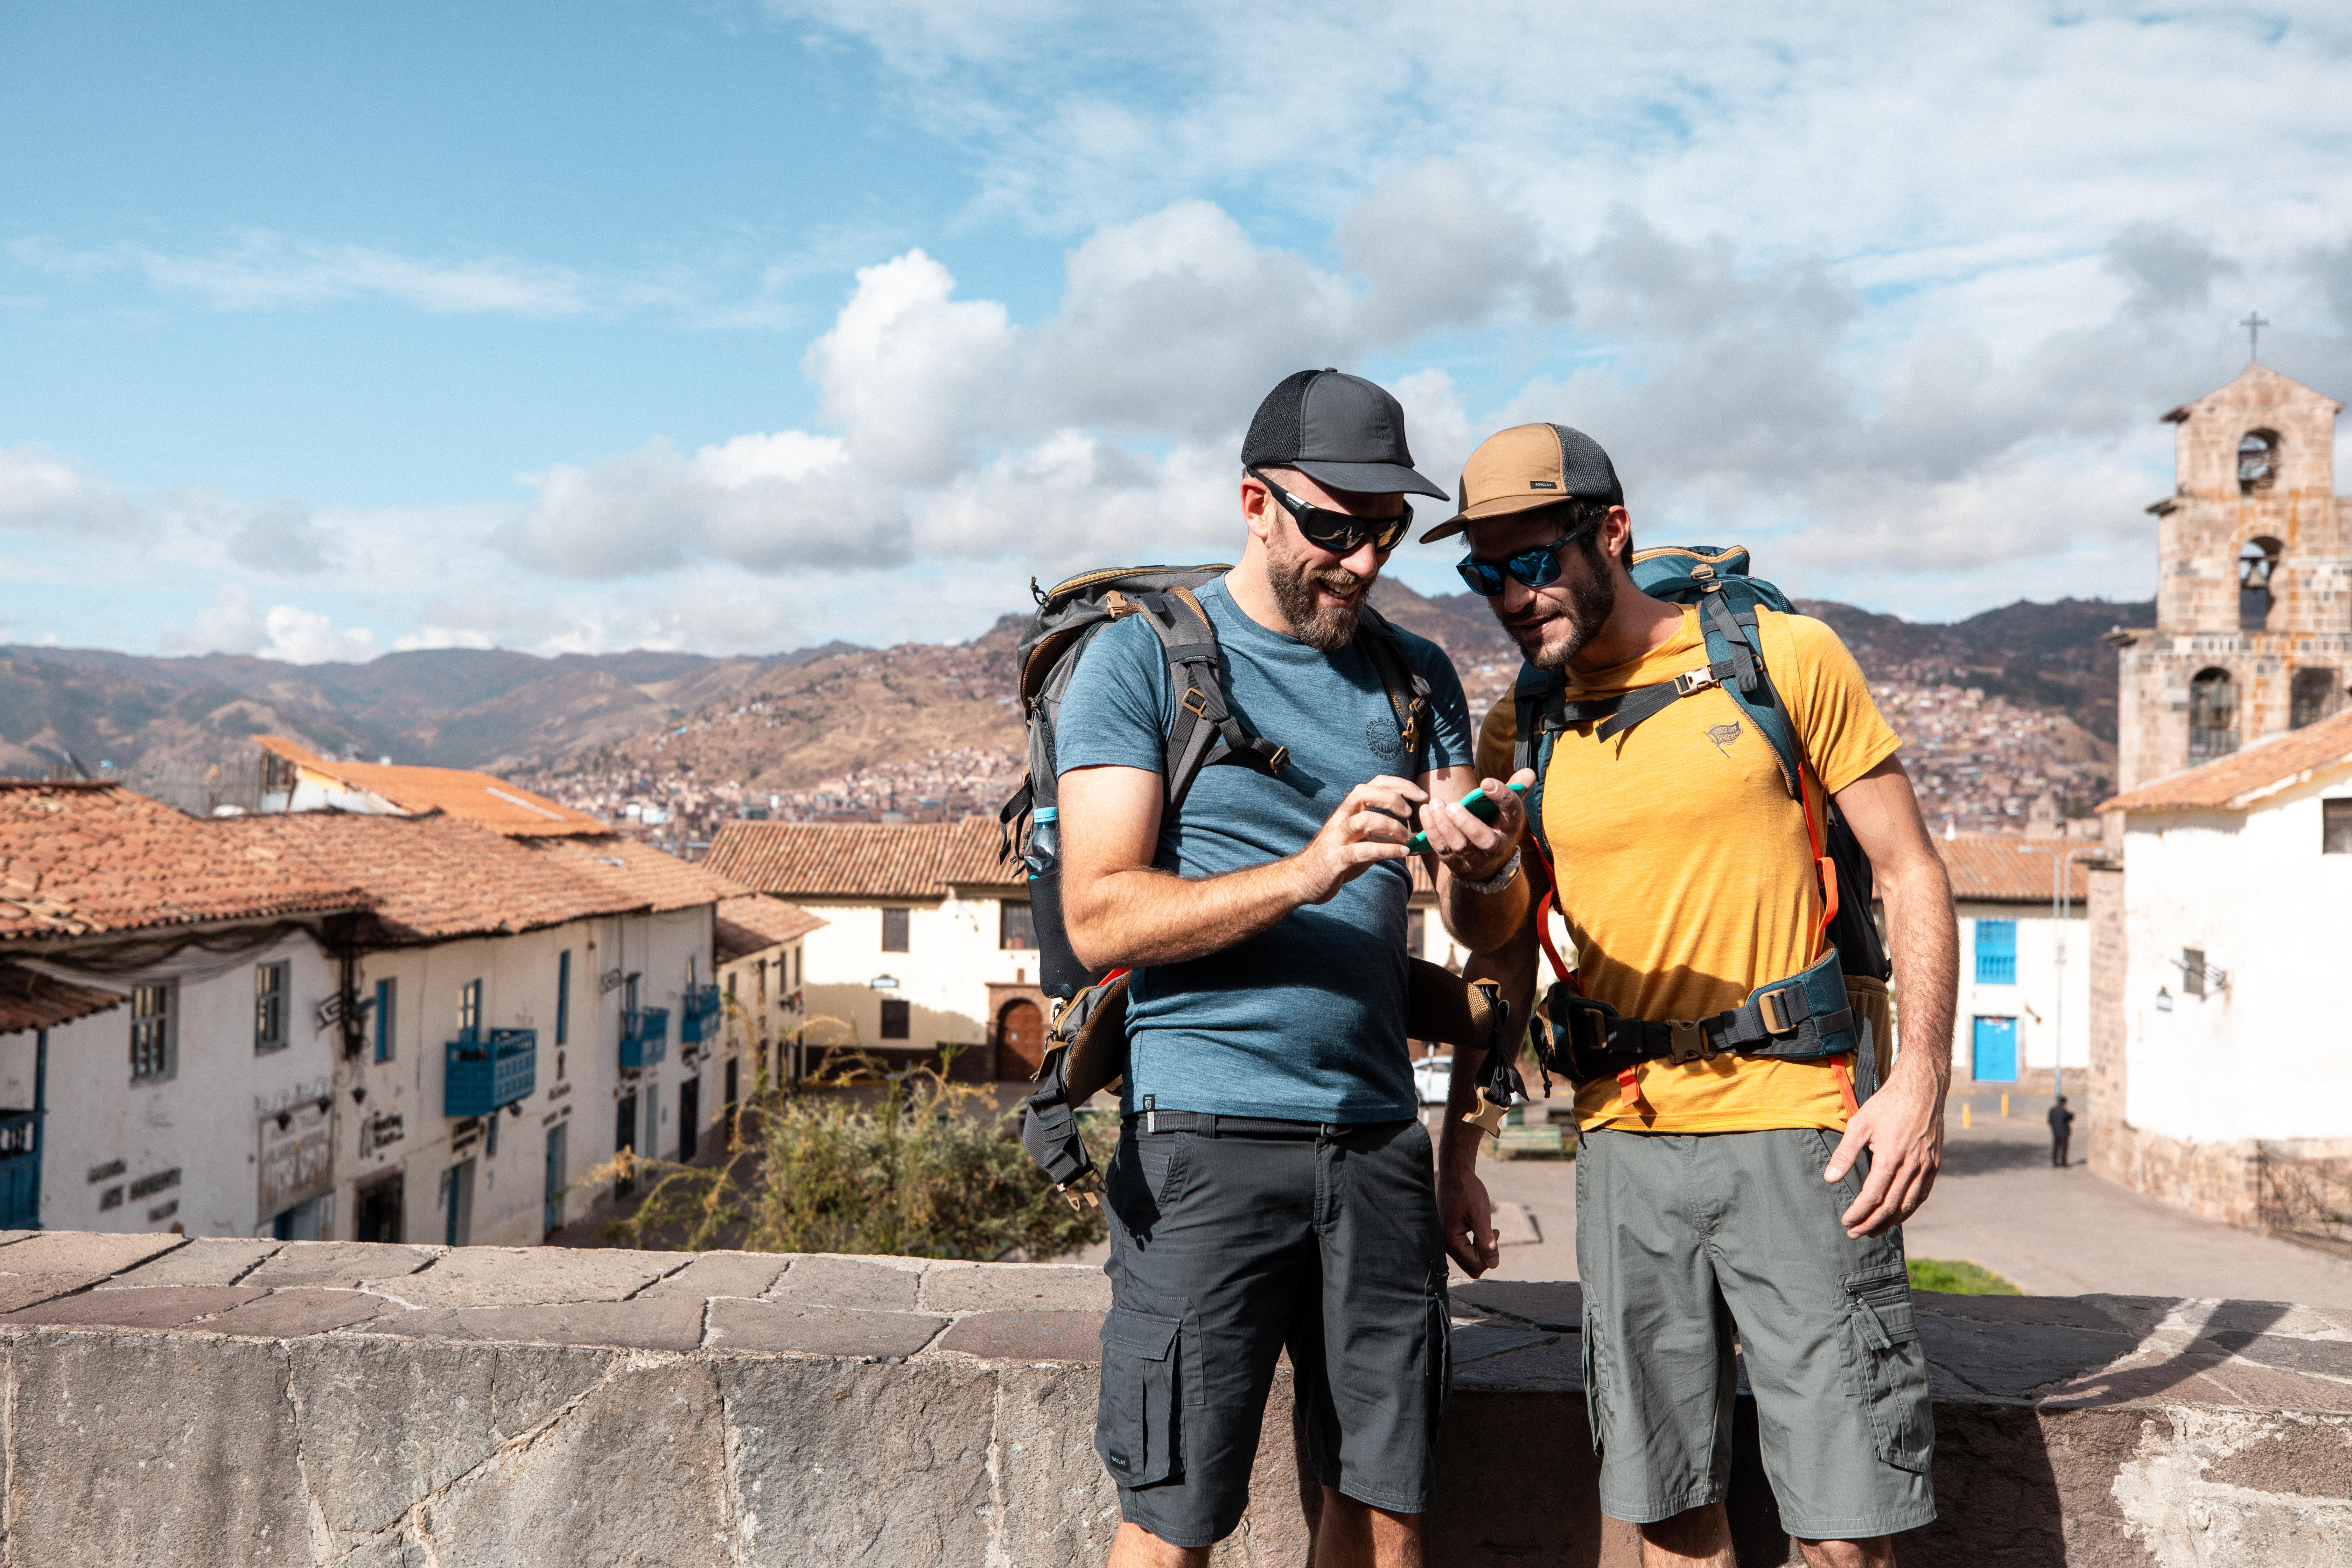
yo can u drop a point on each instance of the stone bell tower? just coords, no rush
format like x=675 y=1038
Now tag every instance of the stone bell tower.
x=2253 y=603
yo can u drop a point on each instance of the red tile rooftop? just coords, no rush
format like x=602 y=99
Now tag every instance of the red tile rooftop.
x=863 y=860
x=29 y=1000
x=492 y=802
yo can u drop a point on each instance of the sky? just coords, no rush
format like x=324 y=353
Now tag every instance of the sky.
x=326 y=331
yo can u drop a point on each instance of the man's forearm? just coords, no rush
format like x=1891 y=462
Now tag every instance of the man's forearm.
x=1482 y=921
x=1148 y=916
x=1925 y=954
x=1513 y=965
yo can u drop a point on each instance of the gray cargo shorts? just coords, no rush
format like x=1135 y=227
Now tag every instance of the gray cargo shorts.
x=1685 y=1241
x=1225 y=1251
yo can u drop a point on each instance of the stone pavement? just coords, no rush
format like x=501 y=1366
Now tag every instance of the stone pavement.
x=218 y=1400
x=2000 y=1204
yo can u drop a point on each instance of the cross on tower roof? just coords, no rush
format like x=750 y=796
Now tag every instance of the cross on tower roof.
x=2253 y=323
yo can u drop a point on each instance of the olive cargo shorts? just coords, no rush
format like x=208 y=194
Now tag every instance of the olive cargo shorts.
x=1685 y=1240
x=1225 y=1251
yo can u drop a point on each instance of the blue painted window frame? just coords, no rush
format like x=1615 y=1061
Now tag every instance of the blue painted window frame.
x=563 y=996
x=1996 y=946
x=386 y=994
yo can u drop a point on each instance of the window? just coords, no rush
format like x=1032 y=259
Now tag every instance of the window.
x=894 y=1018
x=893 y=931
x=2313 y=695
x=1016 y=926
x=152 y=1035
x=2257 y=461
x=469 y=1010
x=2257 y=560
x=386 y=994
x=2336 y=828
x=563 y=996
x=797 y=969
x=1996 y=953
x=2212 y=716
x=2192 y=971
x=270 y=1007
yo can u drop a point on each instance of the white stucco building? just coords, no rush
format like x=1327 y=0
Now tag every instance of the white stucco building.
x=762 y=958
x=2234 y=915
x=2024 y=999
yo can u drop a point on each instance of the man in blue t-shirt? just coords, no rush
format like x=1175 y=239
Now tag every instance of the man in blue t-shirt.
x=1273 y=1184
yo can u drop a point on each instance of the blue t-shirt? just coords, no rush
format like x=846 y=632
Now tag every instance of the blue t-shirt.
x=1303 y=1022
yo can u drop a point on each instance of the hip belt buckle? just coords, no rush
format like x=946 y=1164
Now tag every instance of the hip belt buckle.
x=1685 y=1040
x=1773 y=1007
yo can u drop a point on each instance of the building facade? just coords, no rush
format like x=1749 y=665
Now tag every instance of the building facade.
x=763 y=958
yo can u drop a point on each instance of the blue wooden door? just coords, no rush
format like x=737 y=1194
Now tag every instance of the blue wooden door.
x=1996 y=1050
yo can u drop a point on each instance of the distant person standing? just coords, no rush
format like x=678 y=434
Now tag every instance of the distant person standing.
x=2062 y=1128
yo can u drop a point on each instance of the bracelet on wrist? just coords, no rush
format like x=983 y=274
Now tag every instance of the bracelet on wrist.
x=1498 y=881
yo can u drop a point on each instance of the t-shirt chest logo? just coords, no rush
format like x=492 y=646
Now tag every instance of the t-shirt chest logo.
x=1723 y=735
x=1382 y=736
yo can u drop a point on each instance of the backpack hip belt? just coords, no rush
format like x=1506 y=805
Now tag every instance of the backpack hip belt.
x=1804 y=1018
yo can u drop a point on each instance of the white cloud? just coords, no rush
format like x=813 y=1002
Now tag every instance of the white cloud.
x=266 y=271
x=907 y=370
x=231 y=624
x=40 y=490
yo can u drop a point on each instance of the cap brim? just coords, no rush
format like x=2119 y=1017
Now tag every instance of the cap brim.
x=1368 y=478
x=1500 y=506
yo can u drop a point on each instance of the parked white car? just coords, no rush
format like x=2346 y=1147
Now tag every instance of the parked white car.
x=1431 y=1077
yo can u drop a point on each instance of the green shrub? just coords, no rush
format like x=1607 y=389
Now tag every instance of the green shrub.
x=1956 y=1277
x=916 y=1166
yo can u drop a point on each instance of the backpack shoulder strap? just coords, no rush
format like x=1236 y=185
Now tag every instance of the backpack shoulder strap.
x=1408 y=689
x=1538 y=703
x=1732 y=640
x=1205 y=730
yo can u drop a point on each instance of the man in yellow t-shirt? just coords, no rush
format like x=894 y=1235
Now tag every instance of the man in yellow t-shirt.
x=1733 y=1191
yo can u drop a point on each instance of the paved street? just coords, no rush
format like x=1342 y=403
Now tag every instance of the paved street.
x=2000 y=1204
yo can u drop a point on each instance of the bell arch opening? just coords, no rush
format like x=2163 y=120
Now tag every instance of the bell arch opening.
x=2258 y=561
x=2258 y=461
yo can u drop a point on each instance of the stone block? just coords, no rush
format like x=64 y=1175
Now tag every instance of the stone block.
x=2008 y=1360
x=788 y=1327
x=1028 y=1336
x=842 y=1463
x=1517 y=1482
x=135 y=1448
x=389 y=1423
x=1545 y=1304
x=163 y=1307
x=1055 y=1503
x=1553 y=1365
x=25 y=1289
x=298 y=1311
x=1477 y=1342
x=635 y=1472
x=532 y=1275
x=83 y=1252
x=343 y=1264
x=673 y=1323
x=206 y=1261
x=868 y=1284
x=1013 y=1287
x=723 y=1274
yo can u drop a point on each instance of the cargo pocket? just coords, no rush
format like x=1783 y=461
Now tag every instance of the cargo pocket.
x=1438 y=1358
x=1135 y=1419
x=1891 y=1368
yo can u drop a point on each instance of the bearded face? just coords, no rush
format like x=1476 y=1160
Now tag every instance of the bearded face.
x=1560 y=621
x=1299 y=586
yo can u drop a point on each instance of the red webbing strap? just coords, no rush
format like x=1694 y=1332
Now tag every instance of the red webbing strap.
x=1629 y=1093
x=1845 y=1086
x=1543 y=908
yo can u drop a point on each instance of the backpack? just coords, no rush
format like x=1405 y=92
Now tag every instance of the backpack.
x=1086 y=1044
x=1717 y=580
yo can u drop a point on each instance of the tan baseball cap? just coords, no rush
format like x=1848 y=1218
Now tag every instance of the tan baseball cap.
x=1530 y=466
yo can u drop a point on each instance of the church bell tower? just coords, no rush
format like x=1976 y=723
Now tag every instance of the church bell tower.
x=2253 y=602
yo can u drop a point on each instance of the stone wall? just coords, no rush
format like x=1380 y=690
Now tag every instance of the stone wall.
x=259 y=1403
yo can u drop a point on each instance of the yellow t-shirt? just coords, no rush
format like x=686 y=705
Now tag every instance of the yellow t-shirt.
x=1685 y=877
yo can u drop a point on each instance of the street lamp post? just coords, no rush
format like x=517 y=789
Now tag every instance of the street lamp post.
x=2062 y=894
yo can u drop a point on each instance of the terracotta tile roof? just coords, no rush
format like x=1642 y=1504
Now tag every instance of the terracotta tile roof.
x=2244 y=777
x=861 y=859
x=79 y=860
x=647 y=877
x=436 y=877
x=756 y=921
x=478 y=798
x=1996 y=868
x=32 y=1001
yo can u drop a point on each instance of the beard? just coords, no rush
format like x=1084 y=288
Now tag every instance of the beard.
x=1320 y=626
x=1549 y=643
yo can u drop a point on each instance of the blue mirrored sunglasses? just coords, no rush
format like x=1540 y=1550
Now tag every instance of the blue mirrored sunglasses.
x=1537 y=568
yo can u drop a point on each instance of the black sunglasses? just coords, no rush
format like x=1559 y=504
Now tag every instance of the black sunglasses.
x=1336 y=531
x=1537 y=568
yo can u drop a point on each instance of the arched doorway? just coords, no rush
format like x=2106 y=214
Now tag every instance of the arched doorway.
x=2212 y=716
x=1019 y=1039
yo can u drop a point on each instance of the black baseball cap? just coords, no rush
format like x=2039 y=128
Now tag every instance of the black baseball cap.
x=1339 y=430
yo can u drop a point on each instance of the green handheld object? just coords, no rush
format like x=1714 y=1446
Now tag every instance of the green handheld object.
x=1478 y=804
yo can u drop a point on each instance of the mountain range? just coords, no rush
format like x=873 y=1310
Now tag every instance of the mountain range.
x=786 y=720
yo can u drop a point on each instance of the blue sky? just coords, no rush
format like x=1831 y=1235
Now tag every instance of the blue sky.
x=735 y=326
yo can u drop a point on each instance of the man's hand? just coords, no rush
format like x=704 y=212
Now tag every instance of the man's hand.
x=1903 y=1128
x=1466 y=1219
x=1474 y=850
x=1370 y=825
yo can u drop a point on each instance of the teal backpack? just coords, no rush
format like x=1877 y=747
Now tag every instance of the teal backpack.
x=1805 y=1017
